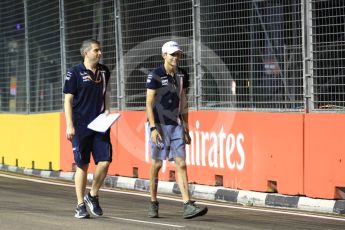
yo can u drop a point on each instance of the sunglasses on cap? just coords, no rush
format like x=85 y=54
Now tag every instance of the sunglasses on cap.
x=176 y=54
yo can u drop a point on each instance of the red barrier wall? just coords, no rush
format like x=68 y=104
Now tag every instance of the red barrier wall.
x=247 y=149
x=324 y=155
x=256 y=149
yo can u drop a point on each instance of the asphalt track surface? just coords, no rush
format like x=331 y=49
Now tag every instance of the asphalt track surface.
x=35 y=203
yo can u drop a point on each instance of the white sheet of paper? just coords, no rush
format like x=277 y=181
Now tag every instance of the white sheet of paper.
x=103 y=122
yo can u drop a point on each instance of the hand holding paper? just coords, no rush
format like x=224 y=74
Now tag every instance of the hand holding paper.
x=103 y=122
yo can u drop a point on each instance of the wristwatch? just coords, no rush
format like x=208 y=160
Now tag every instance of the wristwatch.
x=152 y=128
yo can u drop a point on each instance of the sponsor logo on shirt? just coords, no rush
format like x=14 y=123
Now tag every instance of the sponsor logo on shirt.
x=85 y=76
x=68 y=76
x=149 y=78
x=164 y=80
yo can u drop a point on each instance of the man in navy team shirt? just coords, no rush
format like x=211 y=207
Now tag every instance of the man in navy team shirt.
x=87 y=96
x=167 y=113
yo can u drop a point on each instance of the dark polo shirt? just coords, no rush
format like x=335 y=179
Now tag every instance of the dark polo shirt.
x=167 y=98
x=89 y=94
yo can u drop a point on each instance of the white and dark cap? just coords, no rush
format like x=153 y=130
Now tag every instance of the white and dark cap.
x=170 y=47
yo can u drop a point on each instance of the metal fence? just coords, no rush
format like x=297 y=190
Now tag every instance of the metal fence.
x=328 y=54
x=242 y=55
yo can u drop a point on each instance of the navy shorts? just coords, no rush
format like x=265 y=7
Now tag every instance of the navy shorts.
x=173 y=141
x=86 y=141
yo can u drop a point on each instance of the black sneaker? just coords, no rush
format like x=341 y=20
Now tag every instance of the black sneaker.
x=190 y=210
x=81 y=212
x=93 y=204
x=153 y=209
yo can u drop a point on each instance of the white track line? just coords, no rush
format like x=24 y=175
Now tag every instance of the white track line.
x=146 y=222
x=107 y=190
x=179 y=200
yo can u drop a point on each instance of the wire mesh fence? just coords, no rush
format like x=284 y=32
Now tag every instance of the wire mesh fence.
x=44 y=58
x=273 y=55
x=328 y=46
x=148 y=25
x=12 y=57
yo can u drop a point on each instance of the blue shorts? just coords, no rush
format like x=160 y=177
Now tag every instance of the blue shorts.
x=173 y=140
x=86 y=141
